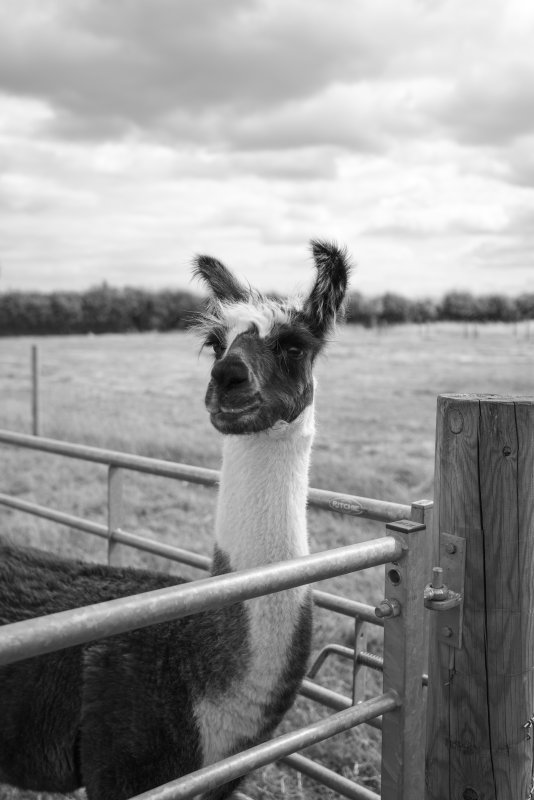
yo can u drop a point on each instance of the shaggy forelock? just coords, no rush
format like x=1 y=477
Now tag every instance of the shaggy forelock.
x=265 y=313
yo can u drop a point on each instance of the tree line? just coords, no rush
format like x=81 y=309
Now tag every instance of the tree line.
x=105 y=309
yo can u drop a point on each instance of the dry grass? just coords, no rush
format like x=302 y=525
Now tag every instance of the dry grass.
x=143 y=394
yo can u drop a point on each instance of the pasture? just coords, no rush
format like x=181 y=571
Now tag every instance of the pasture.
x=144 y=394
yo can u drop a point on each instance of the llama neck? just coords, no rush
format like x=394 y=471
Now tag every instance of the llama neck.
x=261 y=518
x=261 y=510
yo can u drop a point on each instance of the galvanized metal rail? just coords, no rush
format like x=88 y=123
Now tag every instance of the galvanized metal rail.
x=42 y=635
x=235 y=766
x=118 y=535
x=365 y=507
x=332 y=602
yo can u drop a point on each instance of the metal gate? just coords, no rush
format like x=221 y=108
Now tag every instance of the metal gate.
x=405 y=551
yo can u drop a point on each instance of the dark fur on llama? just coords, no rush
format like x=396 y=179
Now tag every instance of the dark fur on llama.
x=133 y=711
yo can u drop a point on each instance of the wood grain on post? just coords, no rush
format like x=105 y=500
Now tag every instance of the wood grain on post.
x=481 y=697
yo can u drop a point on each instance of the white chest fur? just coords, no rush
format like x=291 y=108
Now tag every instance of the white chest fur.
x=261 y=519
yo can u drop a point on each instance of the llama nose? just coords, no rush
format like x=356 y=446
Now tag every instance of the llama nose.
x=230 y=373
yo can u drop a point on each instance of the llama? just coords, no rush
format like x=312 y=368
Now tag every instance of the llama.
x=128 y=713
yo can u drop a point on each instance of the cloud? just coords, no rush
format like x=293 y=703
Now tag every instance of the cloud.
x=517 y=162
x=506 y=255
x=492 y=106
x=243 y=75
x=107 y=68
x=135 y=133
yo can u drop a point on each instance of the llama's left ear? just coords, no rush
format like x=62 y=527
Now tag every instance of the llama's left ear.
x=219 y=280
x=328 y=292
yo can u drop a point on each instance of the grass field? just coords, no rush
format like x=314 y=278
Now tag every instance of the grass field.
x=144 y=394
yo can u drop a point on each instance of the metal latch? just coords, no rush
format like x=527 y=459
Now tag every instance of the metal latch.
x=445 y=593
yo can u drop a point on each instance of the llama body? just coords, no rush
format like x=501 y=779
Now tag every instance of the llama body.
x=128 y=713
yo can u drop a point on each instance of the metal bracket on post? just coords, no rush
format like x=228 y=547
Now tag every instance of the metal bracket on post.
x=446 y=592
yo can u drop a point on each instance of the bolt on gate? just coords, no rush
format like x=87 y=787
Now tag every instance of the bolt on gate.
x=406 y=553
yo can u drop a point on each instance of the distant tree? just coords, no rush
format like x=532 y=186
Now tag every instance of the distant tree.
x=178 y=310
x=395 y=308
x=104 y=309
x=65 y=313
x=458 y=306
x=423 y=310
x=25 y=313
x=525 y=306
x=496 y=308
x=361 y=310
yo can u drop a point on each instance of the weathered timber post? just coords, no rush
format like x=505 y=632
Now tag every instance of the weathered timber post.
x=481 y=696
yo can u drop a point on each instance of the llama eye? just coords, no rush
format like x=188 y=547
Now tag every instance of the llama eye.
x=216 y=345
x=295 y=352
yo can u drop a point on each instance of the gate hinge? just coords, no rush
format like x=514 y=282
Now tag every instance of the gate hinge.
x=446 y=592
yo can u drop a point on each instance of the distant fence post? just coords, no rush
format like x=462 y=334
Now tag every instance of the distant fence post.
x=481 y=697
x=115 y=508
x=35 y=390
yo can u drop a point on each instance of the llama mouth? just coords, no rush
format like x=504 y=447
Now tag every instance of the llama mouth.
x=235 y=420
x=233 y=411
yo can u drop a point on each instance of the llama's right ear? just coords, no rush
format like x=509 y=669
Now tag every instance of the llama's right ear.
x=219 y=280
x=327 y=295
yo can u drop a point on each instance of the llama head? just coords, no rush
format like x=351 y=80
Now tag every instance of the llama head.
x=264 y=349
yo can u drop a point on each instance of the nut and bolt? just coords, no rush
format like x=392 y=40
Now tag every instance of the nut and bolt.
x=437 y=589
x=437 y=577
x=446 y=632
x=450 y=548
x=388 y=608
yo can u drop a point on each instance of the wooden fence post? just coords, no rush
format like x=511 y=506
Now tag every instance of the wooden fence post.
x=481 y=697
x=35 y=390
x=115 y=508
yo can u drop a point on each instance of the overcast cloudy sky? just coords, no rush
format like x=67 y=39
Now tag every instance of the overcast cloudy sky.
x=134 y=133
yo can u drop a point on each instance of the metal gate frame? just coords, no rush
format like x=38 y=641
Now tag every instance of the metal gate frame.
x=405 y=551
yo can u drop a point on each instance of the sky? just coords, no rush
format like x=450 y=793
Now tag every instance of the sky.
x=137 y=133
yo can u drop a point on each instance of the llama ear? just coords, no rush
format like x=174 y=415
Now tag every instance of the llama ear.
x=219 y=279
x=330 y=286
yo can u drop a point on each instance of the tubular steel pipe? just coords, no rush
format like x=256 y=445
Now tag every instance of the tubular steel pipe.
x=341 y=785
x=97 y=529
x=235 y=766
x=68 y=628
x=342 y=605
x=152 y=466
x=365 y=507
x=331 y=602
x=328 y=650
x=330 y=699
x=327 y=697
